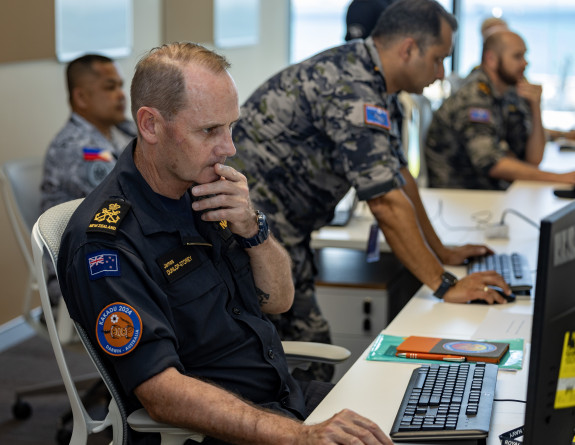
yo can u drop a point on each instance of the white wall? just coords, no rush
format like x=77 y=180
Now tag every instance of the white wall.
x=33 y=107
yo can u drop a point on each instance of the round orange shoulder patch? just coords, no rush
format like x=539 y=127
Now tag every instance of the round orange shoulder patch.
x=118 y=329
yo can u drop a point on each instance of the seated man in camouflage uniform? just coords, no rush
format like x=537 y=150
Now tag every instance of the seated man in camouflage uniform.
x=332 y=122
x=489 y=133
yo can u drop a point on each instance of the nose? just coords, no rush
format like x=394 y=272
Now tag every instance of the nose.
x=440 y=71
x=227 y=147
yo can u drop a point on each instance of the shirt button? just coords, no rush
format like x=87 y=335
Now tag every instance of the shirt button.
x=236 y=311
x=271 y=354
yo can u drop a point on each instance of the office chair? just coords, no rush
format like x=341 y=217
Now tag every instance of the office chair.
x=46 y=236
x=20 y=180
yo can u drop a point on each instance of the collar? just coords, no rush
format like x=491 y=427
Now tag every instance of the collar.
x=481 y=76
x=374 y=55
x=150 y=212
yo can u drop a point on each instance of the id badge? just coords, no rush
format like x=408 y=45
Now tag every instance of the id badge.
x=373 y=244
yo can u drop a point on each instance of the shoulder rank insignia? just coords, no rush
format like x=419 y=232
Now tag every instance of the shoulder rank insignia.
x=223 y=229
x=118 y=329
x=480 y=115
x=484 y=88
x=376 y=116
x=109 y=217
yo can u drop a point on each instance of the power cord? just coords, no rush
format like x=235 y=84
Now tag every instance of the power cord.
x=481 y=217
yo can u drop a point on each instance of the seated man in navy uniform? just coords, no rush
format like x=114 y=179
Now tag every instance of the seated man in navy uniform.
x=172 y=271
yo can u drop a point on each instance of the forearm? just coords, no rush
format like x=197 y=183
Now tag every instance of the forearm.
x=397 y=219
x=271 y=266
x=429 y=234
x=511 y=169
x=176 y=399
x=535 y=146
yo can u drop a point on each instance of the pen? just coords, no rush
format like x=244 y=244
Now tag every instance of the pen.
x=441 y=357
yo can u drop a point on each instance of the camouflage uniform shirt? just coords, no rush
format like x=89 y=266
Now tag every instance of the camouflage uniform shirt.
x=472 y=131
x=79 y=157
x=315 y=129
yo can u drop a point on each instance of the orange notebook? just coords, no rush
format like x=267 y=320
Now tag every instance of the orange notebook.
x=472 y=350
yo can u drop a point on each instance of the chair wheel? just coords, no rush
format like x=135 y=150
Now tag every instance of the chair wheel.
x=21 y=410
x=63 y=436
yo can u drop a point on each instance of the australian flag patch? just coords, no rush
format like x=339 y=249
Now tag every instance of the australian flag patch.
x=104 y=263
x=376 y=116
x=481 y=115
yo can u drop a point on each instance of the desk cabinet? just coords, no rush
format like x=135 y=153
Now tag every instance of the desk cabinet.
x=353 y=297
x=355 y=316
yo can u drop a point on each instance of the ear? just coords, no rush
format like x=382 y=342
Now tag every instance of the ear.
x=148 y=120
x=79 y=98
x=491 y=59
x=407 y=48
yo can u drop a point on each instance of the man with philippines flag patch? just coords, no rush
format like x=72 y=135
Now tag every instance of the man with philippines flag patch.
x=86 y=149
x=489 y=132
x=172 y=271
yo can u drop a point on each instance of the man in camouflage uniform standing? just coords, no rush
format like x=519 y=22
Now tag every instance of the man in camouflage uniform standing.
x=86 y=148
x=489 y=133
x=332 y=122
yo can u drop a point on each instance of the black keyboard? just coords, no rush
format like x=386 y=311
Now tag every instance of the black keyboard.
x=444 y=402
x=513 y=267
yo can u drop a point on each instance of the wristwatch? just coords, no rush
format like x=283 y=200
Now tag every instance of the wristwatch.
x=448 y=280
x=260 y=237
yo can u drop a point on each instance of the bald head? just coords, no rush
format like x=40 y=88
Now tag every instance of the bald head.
x=503 y=58
x=501 y=41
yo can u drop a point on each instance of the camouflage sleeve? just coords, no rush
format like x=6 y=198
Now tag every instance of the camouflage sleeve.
x=480 y=120
x=367 y=138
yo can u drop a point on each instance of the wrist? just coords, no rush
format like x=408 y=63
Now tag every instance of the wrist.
x=261 y=235
x=448 y=280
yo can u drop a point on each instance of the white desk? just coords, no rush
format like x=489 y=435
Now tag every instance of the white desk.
x=375 y=389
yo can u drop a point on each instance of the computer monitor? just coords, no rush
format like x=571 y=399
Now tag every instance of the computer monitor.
x=550 y=409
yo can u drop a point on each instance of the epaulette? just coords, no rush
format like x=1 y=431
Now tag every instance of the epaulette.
x=484 y=88
x=108 y=218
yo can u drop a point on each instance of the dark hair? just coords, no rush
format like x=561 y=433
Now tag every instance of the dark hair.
x=159 y=82
x=81 y=66
x=420 y=19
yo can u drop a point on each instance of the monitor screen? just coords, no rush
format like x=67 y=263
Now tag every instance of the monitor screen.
x=550 y=409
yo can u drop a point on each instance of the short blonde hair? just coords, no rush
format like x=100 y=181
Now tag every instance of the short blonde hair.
x=158 y=80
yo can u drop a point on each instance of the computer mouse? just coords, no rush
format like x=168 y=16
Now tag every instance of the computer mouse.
x=509 y=298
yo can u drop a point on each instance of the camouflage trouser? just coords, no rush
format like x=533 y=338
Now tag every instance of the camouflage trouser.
x=304 y=321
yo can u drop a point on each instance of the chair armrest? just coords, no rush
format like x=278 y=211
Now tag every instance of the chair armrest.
x=140 y=421
x=315 y=352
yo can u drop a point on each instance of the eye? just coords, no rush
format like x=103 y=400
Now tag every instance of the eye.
x=209 y=130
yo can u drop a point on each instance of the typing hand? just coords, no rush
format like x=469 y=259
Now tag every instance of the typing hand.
x=230 y=201
x=475 y=286
x=454 y=256
x=345 y=427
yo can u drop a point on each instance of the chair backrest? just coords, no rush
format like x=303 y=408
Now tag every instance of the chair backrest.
x=46 y=236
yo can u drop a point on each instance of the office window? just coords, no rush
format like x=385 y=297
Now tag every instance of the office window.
x=96 y=26
x=316 y=25
x=547 y=28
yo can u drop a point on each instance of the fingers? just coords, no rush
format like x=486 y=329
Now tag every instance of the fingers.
x=479 y=286
x=347 y=427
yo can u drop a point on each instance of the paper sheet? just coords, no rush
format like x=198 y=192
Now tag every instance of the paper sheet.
x=501 y=325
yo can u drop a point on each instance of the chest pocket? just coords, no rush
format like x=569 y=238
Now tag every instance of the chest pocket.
x=189 y=274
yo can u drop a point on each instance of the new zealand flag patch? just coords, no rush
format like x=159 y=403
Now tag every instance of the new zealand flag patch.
x=104 y=263
x=376 y=116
